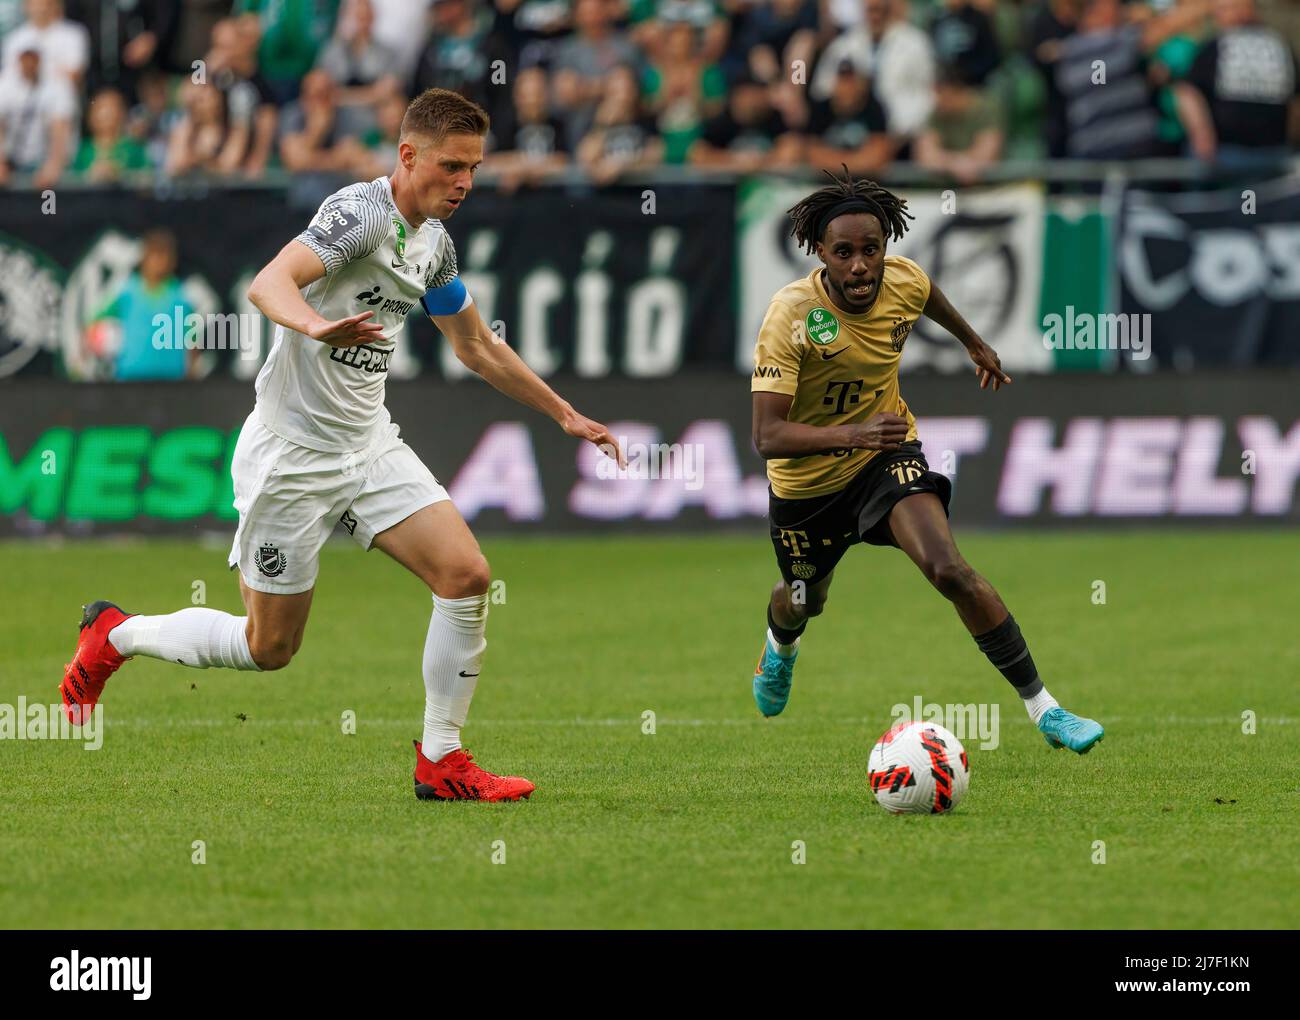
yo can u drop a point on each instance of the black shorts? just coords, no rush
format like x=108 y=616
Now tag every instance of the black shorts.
x=810 y=535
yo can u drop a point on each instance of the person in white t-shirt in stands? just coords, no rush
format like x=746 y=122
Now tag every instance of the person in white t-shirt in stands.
x=898 y=58
x=36 y=122
x=64 y=45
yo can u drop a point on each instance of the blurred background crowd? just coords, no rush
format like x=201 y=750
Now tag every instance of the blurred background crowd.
x=104 y=90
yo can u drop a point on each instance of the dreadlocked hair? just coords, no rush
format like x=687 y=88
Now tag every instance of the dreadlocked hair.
x=807 y=215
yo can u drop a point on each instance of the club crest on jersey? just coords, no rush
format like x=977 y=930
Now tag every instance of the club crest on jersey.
x=270 y=561
x=823 y=327
x=401 y=243
x=898 y=335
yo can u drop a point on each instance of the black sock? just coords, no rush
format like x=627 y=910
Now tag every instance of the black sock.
x=783 y=636
x=1007 y=650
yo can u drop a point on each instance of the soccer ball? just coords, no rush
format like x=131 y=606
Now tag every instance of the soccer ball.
x=918 y=768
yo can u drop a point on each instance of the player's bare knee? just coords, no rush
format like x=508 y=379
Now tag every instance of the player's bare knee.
x=271 y=653
x=953 y=578
x=464 y=580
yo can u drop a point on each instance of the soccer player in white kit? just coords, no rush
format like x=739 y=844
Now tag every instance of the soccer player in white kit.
x=319 y=448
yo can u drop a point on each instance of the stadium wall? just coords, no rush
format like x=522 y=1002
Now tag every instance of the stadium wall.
x=649 y=281
x=1050 y=451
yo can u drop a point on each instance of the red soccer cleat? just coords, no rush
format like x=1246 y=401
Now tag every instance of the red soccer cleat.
x=94 y=661
x=456 y=777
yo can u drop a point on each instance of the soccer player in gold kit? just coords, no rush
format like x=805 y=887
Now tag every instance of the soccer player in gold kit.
x=843 y=460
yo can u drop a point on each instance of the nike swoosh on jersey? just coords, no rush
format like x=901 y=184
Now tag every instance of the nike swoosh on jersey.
x=826 y=356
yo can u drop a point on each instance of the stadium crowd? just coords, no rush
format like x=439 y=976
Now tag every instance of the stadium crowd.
x=99 y=90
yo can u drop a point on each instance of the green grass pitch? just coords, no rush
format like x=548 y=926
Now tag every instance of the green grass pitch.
x=307 y=826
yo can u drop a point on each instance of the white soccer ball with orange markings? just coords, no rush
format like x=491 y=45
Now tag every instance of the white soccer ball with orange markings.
x=918 y=768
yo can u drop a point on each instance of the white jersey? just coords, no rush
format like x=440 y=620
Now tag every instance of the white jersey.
x=332 y=398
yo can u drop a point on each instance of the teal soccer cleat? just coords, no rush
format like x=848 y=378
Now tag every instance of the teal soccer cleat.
x=1063 y=729
x=772 y=679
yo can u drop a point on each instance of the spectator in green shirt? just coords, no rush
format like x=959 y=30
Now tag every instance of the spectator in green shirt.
x=107 y=152
x=964 y=135
x=293 y=34
x=683 y=89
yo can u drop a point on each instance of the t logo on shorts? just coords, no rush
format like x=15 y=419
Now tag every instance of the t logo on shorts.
x=270 y=561
x=796 y=541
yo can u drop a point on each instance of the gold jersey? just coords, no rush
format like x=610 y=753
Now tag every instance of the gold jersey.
x=841 y=369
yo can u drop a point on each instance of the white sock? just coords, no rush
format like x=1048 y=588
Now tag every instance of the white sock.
x=453 y=652
x=785 y=651
x=193 y=637
x=1038 y=705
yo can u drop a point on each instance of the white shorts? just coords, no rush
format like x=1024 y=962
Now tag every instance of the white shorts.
x=290 y=498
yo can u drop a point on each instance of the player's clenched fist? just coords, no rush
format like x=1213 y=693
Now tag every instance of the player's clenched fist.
x=879 y=432
x=348 y=332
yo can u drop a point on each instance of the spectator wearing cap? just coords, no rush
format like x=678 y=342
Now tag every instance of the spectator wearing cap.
x=622 y=135
x=896 y=55
x=850 y=127
x=36 y=121
x=108 y=153
x=1239 y=101
x=964 y=136
x=748 y=135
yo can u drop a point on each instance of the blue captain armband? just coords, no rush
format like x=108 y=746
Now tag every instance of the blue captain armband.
x=448 y=299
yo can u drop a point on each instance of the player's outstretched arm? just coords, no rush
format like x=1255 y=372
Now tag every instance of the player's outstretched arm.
x=987 y=364
x=487 y=355
x=276 y=291
x=775 y=437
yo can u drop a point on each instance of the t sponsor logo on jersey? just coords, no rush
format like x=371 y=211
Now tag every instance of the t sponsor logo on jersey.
x=362 y=356
x=823 y=327
x=270 y=561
